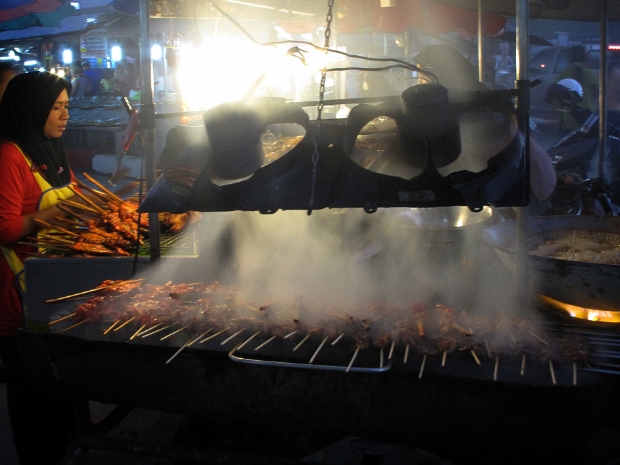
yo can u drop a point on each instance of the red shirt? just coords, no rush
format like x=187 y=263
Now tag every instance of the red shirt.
x=19 y=195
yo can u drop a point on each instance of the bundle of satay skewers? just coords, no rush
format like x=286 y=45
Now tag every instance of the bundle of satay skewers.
x=200 y=312
x=97 y=222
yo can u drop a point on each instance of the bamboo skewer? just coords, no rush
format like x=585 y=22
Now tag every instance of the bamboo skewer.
x=539 y=338
x=473 y=353
x=82 y=218
x=79 y=206
x=204 y=333
x=66 y=317
x=552 y=371
x=101 y=195
x=231 y=337
x=422 y=366
x=59 y=228
x=443 y=358
x=302 y=341
x=420 y=327
x=486 y=345
x=391 y=350
x=290 y=334
x=150 y=332
x=495 y=370
x=381 y=358
x=77 y=324
x=125 y=324
x=187 y=344
x=249 y=306
x=103 y=188
x=264 y=343
x=89 y=202
x=213 y=335
x=34 y=241
x=240 y=346
x=357 y=349
x=111 y=326
x=143 y=329
x=52 y=239
x=147 y=331
x=316 y=352
x=523 y=357
x=574 y=374
x=90 y=291
x=134 y=335
x=173 y=333
x=406 y=353
x=337 y=339
x=75 y=223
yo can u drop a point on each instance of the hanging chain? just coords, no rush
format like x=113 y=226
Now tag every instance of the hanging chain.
x=319 y=107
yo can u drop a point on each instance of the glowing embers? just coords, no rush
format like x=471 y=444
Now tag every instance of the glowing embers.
x=581 y=313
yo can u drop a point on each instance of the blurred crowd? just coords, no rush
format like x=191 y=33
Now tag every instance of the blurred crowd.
x=123 y=80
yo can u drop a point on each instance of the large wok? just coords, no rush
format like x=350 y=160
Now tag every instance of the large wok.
x=588 y=285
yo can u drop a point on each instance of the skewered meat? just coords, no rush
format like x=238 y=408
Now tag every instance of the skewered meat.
x=97 y=249
x=197 y=308
x=103 y=220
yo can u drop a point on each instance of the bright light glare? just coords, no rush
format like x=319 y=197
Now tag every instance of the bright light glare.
x=229 y=68
x=225 y=70
x=30 y=63
x=67 y=56
x=156 y=52
x=316 y=59
x=116 y=53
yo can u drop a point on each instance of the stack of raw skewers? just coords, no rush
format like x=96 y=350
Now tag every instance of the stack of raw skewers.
x=100 y=223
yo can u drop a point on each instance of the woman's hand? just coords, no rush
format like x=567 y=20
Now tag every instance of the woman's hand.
x=30 y=226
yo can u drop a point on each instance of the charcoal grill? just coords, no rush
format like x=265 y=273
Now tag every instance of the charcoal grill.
x=457 y=410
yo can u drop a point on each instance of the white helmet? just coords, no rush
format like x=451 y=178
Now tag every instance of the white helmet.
x=572 y=85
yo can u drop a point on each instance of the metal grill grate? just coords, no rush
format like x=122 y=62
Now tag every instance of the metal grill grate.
x=182 y=244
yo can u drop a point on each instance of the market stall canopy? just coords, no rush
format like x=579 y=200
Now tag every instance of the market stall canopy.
x=350 y=16
x=426 y=15
x=91 y=14
x=572 y=10
x=22 y=14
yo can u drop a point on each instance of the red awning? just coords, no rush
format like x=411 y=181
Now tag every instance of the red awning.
x=21 y=14
x=354 y=16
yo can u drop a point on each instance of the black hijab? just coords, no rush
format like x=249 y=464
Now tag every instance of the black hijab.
x=24 y=110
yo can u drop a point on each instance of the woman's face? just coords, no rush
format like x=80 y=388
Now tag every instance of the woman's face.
x=59 y=115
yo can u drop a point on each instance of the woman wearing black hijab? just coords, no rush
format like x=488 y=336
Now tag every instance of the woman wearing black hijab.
x=34 y=176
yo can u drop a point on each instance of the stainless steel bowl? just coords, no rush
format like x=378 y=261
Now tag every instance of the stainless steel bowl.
x=441 y=218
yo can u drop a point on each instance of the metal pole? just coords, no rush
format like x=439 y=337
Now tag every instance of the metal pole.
x=147 y=118
x=480 y=42
x=602 y=83
x=523 y=104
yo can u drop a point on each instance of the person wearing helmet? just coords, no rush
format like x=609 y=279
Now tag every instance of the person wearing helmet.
x=588 y=78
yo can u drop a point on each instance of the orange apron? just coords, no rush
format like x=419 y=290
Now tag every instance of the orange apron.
x=50 y=196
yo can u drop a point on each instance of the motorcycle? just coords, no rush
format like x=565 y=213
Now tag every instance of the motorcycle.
x=574 y=157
